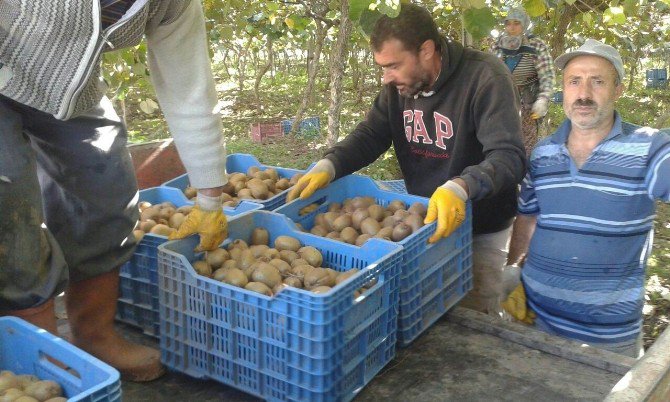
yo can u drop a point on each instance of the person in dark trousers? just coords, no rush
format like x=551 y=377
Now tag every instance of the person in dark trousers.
x=532 y=67
x=452 y=117
x=68 y=193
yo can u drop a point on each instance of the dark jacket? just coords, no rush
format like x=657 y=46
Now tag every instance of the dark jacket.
x=478 y=135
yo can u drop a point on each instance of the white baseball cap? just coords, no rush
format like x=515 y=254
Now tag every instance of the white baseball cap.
x=593 y=47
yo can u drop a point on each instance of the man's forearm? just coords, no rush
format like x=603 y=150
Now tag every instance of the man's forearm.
x=524 y=227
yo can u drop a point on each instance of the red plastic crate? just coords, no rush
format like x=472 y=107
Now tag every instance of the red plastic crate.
x=262 y=132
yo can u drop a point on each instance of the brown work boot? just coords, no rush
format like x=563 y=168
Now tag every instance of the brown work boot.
x=42 y=316
x=91 y=307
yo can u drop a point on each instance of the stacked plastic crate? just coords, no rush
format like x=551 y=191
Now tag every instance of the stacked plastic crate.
x=296 y=345
x=434 y=277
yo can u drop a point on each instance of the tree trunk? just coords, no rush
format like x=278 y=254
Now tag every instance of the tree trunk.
x=261 y=72
x=122 y=101
x=557 y=40
x=312 y=71
x=224 y=62
x=337 y=67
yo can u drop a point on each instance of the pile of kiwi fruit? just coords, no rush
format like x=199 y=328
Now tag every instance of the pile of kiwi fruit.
x=358 y=219
x=160 y=219
x=256 y=184
x=28 y=388
x=253 y=265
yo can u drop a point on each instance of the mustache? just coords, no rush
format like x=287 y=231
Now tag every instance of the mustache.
x=584 y=102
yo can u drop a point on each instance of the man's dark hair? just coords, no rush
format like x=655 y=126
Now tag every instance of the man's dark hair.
x=413 y=26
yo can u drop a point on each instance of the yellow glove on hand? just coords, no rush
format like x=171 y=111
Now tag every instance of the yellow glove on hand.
x=449 y=210
x=318 y=177
x=517 y=307
x=211 y=225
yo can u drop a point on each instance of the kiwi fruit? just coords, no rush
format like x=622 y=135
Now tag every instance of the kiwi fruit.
x=388 y=221
x=176 y=220
x=202 y=268
x=161 y=230
x=216 y=258
x=395 y=205
x=311 y=255
x=252 y=170
x=362 y=239
x=370 y=226
x=288 y=255
x=229 y=264
x=401 y=231
x=282 y=184
x=341 y=222
x=257 y=250
x=146 y=225
x=293 y=281
x=235 y=253
x=219 y=274
x=299 y=261
x=271 y=253
x=287 y=243
x=349 y=235
x=334 y=207
x=359 y=216
x=301 y=270
x=282 y=266
x=319 y=230
x=385 y=233
x=417 y=208
x=318 y=277
x=138 y=234
x=376 y=212
x=259 y=287
x=260 y=236
x=190 y=192
x=267 y=274
x=414 y=221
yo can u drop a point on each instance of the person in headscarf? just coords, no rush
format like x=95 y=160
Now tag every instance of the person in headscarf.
x=532 y=67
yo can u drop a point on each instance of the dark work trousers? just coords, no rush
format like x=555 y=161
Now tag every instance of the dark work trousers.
x=68 y=200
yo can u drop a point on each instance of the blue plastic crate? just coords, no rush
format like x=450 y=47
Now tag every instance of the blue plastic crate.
x=24 y=349
x=420 y=260
x=138 y=283
x=557 y=97
x=309 y=127
x=397 y=186
x=241 y=163
x=297 y=345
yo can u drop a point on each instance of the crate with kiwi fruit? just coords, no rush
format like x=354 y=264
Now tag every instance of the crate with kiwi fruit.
x=253 y=265
x=254 y=185
x=160 y=219
x=358 y=219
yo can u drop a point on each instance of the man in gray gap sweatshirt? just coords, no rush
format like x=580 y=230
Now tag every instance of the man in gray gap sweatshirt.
x=452 y=116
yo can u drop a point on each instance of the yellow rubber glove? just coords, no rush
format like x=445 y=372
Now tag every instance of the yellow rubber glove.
x=318 y=177
x=448 y=208
x=517 y=307
x=211 y=225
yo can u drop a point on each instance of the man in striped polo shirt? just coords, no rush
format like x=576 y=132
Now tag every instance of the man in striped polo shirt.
x=586 y=211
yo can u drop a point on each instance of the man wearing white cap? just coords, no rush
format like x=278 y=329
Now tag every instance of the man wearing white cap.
x=586 y=212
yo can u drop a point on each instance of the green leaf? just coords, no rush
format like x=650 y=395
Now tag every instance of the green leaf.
x=534 y=8
x=368 y=20
x=389 y=7
x=479 y=22
x=357 y=7
x=614 y=16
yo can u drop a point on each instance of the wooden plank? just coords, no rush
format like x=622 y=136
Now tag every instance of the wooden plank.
x=649 y=378
x=532 y=338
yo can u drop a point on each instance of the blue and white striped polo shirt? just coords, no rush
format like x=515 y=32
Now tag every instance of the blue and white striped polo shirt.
x=584 y=273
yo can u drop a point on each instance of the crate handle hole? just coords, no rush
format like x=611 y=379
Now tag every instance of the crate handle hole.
x=49 y=360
